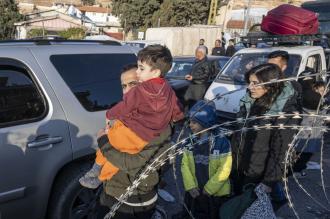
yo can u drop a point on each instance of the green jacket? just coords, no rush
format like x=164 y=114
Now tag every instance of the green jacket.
x=130 y=164
x=220 y=161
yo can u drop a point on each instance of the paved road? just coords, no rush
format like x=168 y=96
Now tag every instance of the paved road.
x=304 y=205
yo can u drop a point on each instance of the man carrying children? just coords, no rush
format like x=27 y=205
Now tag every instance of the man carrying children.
x=139 y=128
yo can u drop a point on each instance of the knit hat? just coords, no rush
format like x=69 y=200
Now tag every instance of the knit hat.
x=204 y=114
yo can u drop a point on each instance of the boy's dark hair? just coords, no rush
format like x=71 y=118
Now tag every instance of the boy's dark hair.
x=128 y=67
x=279 y=53
x=157 y=56
x=232 y=40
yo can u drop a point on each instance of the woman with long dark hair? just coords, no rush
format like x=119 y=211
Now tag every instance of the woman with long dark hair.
x=259 y=152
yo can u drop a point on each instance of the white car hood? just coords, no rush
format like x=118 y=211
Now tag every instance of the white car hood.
x=228 y=103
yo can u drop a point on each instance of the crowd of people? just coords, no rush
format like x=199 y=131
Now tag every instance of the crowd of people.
x=219 y=47
x=215 y=168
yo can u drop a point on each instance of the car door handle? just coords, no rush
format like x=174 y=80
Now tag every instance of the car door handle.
x=45 y=142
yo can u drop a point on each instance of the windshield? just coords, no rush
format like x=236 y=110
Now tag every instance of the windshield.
x=241 y=63
x=223 y=62
x=179 y=69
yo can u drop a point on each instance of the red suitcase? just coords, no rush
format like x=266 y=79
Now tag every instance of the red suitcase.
x=289 y=19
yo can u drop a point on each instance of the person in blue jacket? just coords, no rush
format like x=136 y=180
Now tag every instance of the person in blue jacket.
x=206 y=164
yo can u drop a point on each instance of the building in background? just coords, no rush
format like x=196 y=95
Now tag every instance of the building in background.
x=51 y=22
x=53 y=16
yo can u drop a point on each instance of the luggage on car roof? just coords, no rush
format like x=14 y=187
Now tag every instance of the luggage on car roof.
x=289 y=19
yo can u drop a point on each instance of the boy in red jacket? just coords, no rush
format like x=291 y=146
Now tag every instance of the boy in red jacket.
x=145 y=111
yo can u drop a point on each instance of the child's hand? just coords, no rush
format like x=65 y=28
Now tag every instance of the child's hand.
x=206 y=193
x=101 y=132
x=194 y=192
x=188 y=77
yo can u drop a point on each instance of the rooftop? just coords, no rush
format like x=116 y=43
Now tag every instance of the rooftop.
x=94 y=9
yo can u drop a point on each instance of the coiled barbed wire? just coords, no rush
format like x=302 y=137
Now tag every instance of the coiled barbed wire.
x=162 y=158
x=289 y=155
x=158 y=162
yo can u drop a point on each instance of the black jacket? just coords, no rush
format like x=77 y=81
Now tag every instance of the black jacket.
x=201 y=73
x=310 y=98
x=218 y=51
x=230 y=51
x=258 y=155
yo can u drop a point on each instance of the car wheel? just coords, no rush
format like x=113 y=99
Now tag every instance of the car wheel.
x=69 y=200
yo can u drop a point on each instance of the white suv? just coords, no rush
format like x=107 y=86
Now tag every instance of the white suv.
x=231 y=78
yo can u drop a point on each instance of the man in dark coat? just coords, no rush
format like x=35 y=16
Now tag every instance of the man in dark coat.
x=199 y=78
x=218 y=50
x=281 y=58
x=230 y=51
x=201 y=43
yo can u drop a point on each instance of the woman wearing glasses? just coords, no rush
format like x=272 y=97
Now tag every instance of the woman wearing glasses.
x=259 y=152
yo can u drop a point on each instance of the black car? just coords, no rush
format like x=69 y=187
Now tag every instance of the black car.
x=182 y=66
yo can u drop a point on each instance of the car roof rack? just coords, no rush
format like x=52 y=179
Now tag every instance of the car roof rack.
x=277 y=40
x=58 y=41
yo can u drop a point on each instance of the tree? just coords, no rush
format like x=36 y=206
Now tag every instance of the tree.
x=193 y=11
x=9 y=14
x=142 y=14
x=73 y=33
x=36 y=33
x=183 y=12
x=165 y=16
x=88 y=2
x=135 y=14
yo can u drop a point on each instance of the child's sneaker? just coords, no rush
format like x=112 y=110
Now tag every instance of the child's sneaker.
x=90 y=182
x=311 y=165
x=90 y=179
x=300 y=175
x=94 y=171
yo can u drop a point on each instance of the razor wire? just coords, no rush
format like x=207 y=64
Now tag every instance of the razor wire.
x=298 y=156
x=164 y=156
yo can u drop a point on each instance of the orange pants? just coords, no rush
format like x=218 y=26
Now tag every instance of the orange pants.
x=124 y=140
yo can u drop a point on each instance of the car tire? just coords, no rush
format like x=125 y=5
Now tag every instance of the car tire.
x=69 y=200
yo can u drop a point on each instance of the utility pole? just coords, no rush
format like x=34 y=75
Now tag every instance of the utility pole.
x=213 y=12
x=124 y=30
x=247 y=17
x=224 y=18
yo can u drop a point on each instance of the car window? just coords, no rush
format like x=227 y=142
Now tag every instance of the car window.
x=93 y=78
x=222 y=62
x=314 y=63
x=235 y=70
x=327 y=59
x=20 y=99
x=180 y=69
